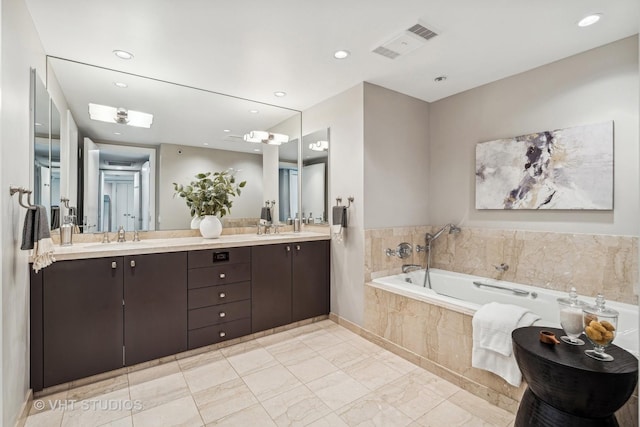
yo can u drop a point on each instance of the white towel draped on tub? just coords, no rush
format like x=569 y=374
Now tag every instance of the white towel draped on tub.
x=492 y=346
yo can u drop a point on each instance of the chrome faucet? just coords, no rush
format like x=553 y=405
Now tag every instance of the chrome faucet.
x=408 y=268
x=121 y=235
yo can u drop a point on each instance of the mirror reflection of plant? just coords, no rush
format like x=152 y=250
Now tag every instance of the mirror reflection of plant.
x=210 y=194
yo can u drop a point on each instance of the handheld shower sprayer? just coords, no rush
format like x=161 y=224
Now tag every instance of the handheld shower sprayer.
x=429 y=239
x=453 y=229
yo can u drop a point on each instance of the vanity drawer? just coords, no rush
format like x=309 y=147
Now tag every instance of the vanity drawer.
x=216 y=314
x=211 y=257
x=218 y=333
x=212 y=295
x=219 y=275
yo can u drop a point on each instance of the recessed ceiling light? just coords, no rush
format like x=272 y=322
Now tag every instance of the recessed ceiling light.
x=341 y=54
x=256 y=149
x=440 y=79
x=254 y=111
x=117 y=133
x=280 y=94
x=123 y=54
x=589 y=20
x=120 y=85
x=205 y=143
x=227 y=130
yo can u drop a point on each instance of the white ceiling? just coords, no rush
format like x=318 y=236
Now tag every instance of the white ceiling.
x=251 y=48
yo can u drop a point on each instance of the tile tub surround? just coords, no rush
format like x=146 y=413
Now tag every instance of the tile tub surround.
x=440 y=340
x=319 y=374
x=592 y=263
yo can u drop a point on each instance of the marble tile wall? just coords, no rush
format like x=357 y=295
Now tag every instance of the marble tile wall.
x=440 y=340
x=591 y=263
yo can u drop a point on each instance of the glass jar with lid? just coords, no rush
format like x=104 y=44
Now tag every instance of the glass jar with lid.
x=600 y=328
x=571 y=318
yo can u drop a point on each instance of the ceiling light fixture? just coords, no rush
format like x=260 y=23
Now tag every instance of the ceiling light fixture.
x=123 y=54
x=227 y=130
x=589 y=20
x=104 y=113
x=256 y=149
x=341 y=54
x=319 y=146
x=205 y=143
x=254 y=111
x=120 y=85
x=280 y=94
x=117 y=133
x=258 y=136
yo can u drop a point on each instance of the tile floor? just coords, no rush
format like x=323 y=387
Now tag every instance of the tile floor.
x=319 y=374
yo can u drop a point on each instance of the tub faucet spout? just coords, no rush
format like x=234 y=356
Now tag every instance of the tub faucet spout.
x=408 y=268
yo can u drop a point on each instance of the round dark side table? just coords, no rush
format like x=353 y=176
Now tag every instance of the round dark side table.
x=568 y=388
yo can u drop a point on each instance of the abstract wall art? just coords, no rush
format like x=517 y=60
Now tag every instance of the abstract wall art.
x=568 y=168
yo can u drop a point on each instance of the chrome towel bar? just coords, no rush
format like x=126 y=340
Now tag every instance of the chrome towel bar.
x=516 y=291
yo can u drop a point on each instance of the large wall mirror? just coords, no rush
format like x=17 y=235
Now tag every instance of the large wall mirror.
x=46 y=147
x=126 y=172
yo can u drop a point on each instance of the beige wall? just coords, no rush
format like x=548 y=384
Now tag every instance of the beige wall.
x=343 y=114
x=21 y=49
x=182 y=168
x=396 y=159
x=592 y=87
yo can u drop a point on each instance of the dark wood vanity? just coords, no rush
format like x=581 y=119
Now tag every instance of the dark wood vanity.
x=95 y=315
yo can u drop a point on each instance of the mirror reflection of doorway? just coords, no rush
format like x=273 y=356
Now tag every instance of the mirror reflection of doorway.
x=123 y=189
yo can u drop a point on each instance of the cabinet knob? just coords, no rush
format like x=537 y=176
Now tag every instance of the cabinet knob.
x=222 y=295
x=222 y=275
x=222 y=314
x=297 y=247
x=114 y=265
x=222 y=334
x=133 y=263
x=288 y=248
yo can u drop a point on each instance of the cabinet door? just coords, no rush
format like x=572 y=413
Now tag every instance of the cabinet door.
x=155 y=310
x=270 y=286
x=82 y=318
x=310 y=279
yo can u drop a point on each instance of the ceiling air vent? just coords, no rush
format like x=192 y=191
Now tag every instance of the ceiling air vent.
x=119 y=163
x=381 y=50
x=422 y=31
x=405 y=42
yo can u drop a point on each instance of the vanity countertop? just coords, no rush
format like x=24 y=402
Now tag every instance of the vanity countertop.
x=178 y=244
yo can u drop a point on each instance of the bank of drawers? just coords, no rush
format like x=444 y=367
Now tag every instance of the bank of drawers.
x=219 y=302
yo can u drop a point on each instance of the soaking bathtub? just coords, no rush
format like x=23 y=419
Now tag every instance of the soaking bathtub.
x=466 y=293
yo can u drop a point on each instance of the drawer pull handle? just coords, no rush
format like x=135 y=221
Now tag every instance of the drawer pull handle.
x=222 y=334
x=288 y=248
x=114 y=265
x=222 y=295
x=133 y=263
x=222 y=314
x=222 y=275
x=297 y=247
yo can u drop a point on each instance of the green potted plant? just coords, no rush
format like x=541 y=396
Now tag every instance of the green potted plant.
x=209 y=197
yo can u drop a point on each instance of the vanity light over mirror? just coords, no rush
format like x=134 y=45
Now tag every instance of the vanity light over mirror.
x=126 y=173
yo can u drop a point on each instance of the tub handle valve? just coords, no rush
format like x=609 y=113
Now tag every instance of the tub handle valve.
x=402 y=251
x=502 y=267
